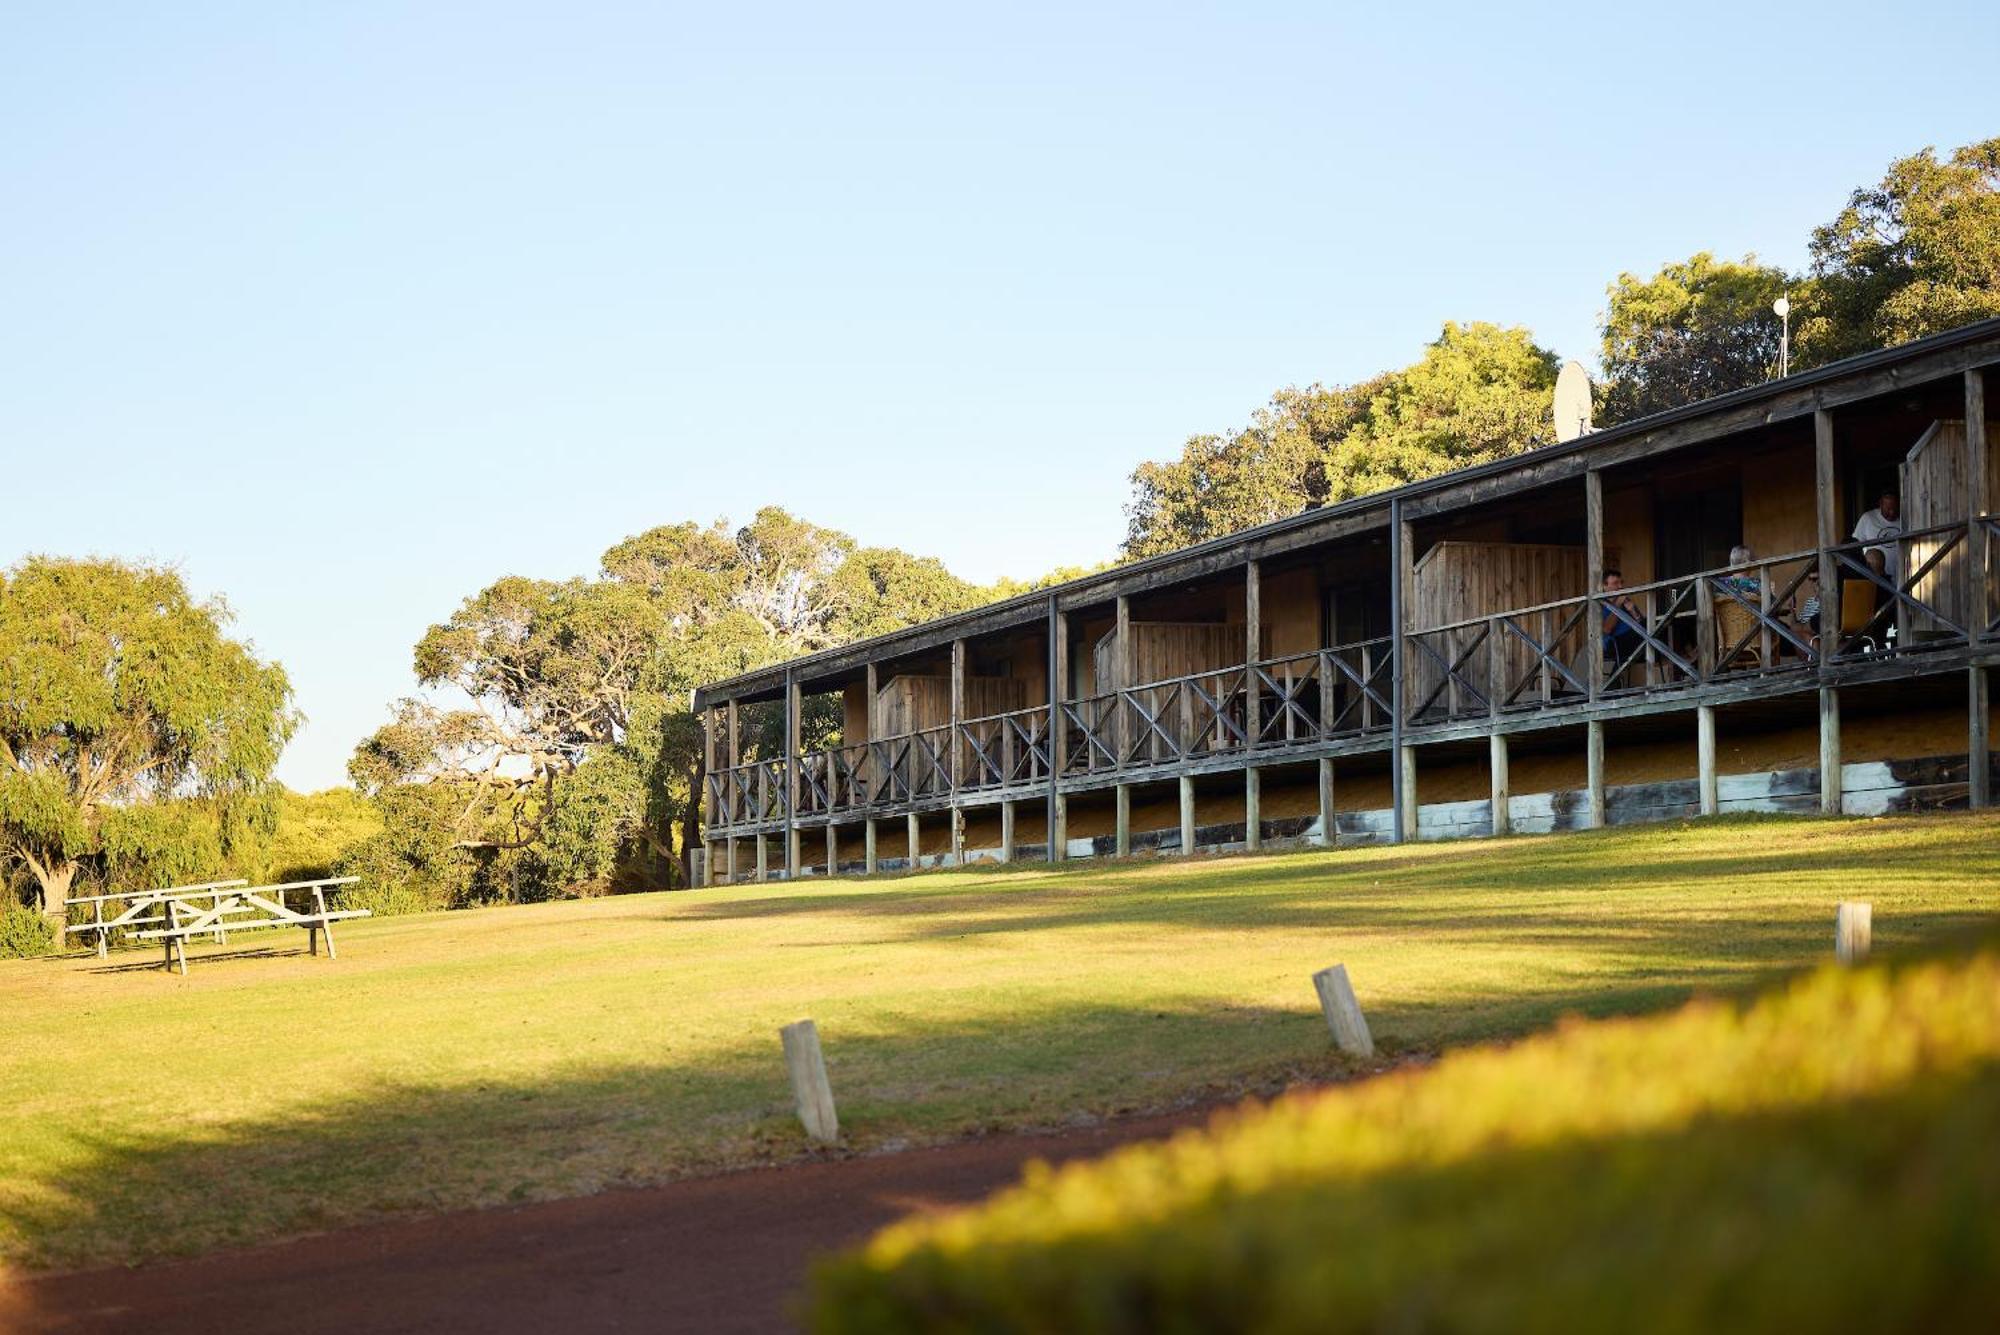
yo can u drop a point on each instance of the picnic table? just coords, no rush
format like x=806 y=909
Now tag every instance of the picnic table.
x=173 y=914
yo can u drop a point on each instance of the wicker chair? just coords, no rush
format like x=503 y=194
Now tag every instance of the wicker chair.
x=1733 y=622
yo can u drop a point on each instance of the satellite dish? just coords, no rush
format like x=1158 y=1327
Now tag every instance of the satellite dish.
x=1572 y=401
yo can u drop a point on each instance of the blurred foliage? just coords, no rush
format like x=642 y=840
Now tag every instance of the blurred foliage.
x=24 y=932
x=1820 y=1158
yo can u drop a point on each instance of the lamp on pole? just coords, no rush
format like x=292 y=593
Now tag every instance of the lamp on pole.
x=1783 y=310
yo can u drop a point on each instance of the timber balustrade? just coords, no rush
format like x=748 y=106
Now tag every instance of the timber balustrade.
x=1712 y=627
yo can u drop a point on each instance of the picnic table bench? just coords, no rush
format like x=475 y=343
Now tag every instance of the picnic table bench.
x=174 y=914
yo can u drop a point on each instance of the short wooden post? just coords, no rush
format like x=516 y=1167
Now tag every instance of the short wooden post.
x=868 y=846
x=1326 y=812
x=1187 y=815
x=832 y=850
x=1704 y=741
x=810 y=1089
x=1123 y=841
x=1593 y=746
x=1343 y=1012
x=1829 y=750
x=763 y=859
x=1059 y=829
x=1501 y=801
x=731 y=859
x=1253 y=809
x=915 y=832
x=1851 y=931
x=1007 y=831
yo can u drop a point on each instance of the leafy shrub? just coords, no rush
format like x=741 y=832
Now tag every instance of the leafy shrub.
x=24 y=932
x=1820 y=1158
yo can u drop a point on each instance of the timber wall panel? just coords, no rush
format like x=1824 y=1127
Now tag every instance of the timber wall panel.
x=1936 y=485
x=911 y=703
x=1163 y=649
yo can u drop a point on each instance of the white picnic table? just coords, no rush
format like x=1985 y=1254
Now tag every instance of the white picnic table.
x=172 y=914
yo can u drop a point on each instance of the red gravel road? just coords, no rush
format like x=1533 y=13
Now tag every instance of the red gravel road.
x=717 y=1254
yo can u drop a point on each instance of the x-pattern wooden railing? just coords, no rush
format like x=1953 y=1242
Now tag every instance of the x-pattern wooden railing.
x=1154 y=723
x=1367 y=704
x=1545 y=646
x=1091 y=721
x=1653 y=647
x=1851 y=559
x=1462 y=642
x=1288 y=700
x=1767 y=624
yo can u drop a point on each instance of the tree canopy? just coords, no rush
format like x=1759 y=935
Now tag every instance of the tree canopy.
x=1695 y=329
x=135 y=735
x=1480 y=392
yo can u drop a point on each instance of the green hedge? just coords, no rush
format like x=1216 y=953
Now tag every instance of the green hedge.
x=1821 y=1158
x=24 y=932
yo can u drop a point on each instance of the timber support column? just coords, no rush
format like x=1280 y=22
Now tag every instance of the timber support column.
x=1826 y=521
x=1187 y=815
x=1979 y=771
x=1593 y=556
x=1122 y=844
x=1979 y=743
x=832 y=850
x=868 y=860
x=730 y=860
x=1593 y=746
x=1253 y=808
x=1327 y=824
x=1253 y=703
x=1058 y=806
x=1829 y=750
x=1704 y=745
x=794 y=862
x=1007 y=831
x=1402 y=762
x=874 y=781
x=763 y=859
x=1501 y=800
x=916 y=840
x=955 y=750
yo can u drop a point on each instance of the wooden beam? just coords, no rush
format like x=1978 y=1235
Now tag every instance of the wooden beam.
x=956 y=748
x=916 y=839
x=1704 y=745
x=731 y=859
x=869 y=861
x=1829 y=750
x=1122 y=842
x=1121 y=730
x=1500 y=803
x=957 y=826
x=832 y=850
x=763 y=860
x=1007 y=831
x=1826 y=521
x=1406 y=796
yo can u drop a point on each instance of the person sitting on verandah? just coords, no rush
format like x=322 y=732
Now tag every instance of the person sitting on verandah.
x=1623 y=627
x=1740 y=577
x=1880 y=528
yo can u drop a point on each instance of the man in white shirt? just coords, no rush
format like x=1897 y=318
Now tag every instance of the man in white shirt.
x=1881 y=527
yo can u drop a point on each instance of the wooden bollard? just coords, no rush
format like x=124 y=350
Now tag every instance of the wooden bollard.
x=1851 y=930
x=1343 y=1012
x=809 y=1084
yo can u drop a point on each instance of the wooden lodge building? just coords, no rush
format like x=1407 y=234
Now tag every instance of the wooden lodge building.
x=1378 y=669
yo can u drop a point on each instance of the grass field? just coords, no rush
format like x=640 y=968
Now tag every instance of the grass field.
x=480 y=1057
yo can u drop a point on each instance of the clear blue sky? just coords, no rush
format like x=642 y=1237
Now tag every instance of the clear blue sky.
x=348 y=309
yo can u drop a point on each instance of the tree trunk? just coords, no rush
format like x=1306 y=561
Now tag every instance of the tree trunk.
x=691 y=825
x=54 y=880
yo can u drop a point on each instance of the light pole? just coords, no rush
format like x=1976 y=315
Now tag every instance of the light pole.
x=1783 y=310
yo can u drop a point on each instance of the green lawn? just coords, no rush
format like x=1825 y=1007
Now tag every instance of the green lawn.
x=474 y=1058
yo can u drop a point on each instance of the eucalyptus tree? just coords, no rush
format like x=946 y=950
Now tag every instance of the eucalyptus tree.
x=133 y=729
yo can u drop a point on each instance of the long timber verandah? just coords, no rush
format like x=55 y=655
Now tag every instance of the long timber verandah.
x=1453 y=611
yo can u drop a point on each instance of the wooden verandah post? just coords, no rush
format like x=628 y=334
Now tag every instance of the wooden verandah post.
x=1826 y=523
x=1979 y=767
x=1253 y=704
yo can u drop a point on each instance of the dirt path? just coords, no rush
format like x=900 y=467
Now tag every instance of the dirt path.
x=719 y=1254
